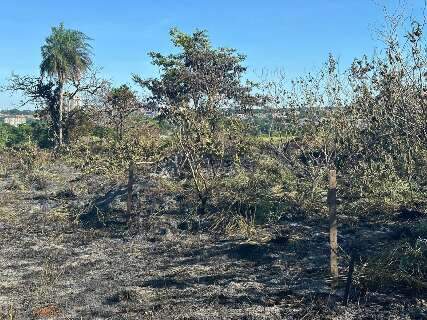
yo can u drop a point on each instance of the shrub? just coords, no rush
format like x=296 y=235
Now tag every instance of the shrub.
x=403 y=267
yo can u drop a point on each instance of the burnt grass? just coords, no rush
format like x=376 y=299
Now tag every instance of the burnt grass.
x=68 y=251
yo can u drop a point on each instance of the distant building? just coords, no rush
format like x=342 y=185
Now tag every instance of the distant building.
x=72 y=104
x=15 y=120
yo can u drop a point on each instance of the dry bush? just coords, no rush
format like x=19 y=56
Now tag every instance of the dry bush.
x=26 y=158
x=402 y=267
x=368 y=123
x=25 y=165
x=38 y=180
x=110 y=157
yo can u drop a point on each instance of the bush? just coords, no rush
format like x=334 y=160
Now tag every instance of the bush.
x=403 y=267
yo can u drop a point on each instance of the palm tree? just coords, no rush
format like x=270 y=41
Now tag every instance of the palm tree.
x=66 y=54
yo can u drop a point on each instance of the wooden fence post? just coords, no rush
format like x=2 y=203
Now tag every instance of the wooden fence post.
x=332 y=203
x=130 y=187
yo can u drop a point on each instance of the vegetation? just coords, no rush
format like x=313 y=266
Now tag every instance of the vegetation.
x=34 y=132
x=197 y=87
x=65 y=56
x=15 y=111
x=236 y=157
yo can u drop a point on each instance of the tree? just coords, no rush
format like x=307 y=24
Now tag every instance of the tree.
x=200 y=91
x=118 y=104
x=65 y=56
x=200 y=78
x=44 y=94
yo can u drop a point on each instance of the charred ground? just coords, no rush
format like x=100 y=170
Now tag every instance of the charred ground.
x=169 y=266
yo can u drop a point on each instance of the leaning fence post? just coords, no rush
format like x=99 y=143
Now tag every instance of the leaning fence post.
x=130 y=187
x=332 y=203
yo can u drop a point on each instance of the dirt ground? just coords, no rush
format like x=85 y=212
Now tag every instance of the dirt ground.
x=52 y=267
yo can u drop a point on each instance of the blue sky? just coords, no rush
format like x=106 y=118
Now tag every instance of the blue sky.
x=293 y=35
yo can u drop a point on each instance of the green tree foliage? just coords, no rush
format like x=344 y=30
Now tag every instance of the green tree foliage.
x=17 y=112
x=36 y=132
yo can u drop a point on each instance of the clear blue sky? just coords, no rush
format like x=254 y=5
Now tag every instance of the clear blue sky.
x=294 y=35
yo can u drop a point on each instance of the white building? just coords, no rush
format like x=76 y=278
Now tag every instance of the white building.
x=15 y=120
x=72 y=104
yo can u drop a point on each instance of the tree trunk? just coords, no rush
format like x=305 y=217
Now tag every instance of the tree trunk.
x=130 y=187
x=332 y=203
x=60 y=115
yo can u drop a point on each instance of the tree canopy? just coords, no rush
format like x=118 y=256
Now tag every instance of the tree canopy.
x=199 y=77
x=65 y=54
